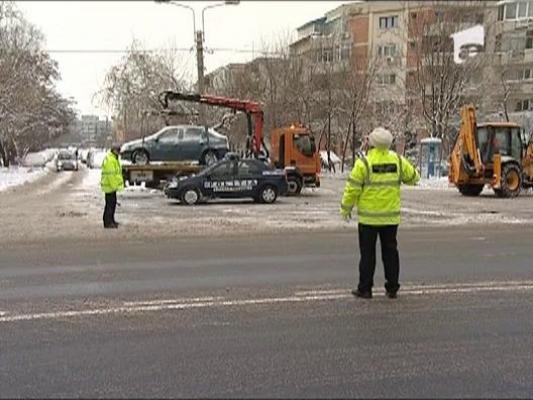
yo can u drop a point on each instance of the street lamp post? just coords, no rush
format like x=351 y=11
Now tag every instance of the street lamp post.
x=199 y=38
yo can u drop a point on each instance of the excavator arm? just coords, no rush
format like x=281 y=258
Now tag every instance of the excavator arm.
x=468 y=137
x=255 y=142
x=465 y=159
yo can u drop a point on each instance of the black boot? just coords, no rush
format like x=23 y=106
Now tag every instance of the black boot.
x=362 y=295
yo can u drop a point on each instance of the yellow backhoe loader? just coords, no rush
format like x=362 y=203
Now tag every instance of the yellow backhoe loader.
x=498 y=154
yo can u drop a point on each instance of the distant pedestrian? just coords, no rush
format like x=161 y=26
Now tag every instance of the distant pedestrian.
x=111 y=182
x=374 y=188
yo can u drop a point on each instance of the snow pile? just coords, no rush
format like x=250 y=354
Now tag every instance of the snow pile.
x=433 y=183
x=40 y=158
x=15 y=176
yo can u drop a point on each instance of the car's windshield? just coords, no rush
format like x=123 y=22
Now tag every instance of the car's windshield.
x=305 y=144
x=501 y=140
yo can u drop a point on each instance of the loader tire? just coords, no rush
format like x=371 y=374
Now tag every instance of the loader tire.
x=511 y=181
x=470 y=190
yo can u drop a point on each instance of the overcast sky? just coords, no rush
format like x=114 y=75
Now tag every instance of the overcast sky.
x=90 y=25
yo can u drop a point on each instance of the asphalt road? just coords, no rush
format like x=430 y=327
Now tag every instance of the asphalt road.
x=267 y=316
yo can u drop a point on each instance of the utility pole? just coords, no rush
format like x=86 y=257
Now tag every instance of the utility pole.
x=200 y=66
x=199 y=40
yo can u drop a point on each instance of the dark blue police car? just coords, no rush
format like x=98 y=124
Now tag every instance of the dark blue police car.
x=231 y=178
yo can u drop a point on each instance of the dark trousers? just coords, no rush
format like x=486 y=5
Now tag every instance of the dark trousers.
x=109 y=210
x=389 y=254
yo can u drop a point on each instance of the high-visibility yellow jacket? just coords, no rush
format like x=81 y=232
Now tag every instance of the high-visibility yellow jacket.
x=374 y=187
x=111 y=180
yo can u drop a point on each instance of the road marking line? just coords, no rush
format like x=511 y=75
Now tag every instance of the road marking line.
x=414 y=290
x=175 y=306
x=171 y=301
x=408 y=287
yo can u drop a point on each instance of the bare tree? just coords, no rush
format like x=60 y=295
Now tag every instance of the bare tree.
x=31 y=110
x=439 y=84
x=131 y=89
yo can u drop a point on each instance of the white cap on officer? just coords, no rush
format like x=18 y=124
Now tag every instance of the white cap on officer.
x=380 y=138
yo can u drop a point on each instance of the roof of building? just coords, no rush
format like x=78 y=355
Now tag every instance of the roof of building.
x=315 y=21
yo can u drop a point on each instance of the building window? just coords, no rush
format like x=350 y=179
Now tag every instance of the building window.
x=522 y=105
x=522 y=9
x=325 y=55
x=387 y=79
x=510 y=11
x=521 y=75
x=388 y=50
x=529 y=40
x=388 y=22
x=516 y=10
x=346 y=51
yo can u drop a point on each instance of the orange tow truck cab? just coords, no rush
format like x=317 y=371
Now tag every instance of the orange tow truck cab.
x=293 y=148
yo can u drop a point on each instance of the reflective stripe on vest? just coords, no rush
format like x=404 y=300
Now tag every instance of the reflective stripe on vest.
x=378 y=213
x=368 y=182
x=354 y=182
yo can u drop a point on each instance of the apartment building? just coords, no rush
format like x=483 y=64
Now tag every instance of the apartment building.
x=382 y=36
x=511 y=42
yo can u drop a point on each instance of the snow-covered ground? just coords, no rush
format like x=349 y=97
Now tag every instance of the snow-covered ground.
x=15 y=176
x=70 y=204
x=33 y=167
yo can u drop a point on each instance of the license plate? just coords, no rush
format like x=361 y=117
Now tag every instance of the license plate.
x=142 y=176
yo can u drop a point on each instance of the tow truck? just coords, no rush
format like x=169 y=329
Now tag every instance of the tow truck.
x=293 y=147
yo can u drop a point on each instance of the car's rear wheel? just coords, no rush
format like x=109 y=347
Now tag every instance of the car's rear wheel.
x=268 y=194
x=190 y=196
x=140 y=157
x=209 y=158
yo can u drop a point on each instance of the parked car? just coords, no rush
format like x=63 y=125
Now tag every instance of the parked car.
x=66 y=160
x=83 y=155
x=95 y=158
x=177 y=143
x=230 y=179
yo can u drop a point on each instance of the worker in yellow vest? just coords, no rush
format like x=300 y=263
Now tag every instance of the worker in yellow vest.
x=374 y=188
x=111 y=182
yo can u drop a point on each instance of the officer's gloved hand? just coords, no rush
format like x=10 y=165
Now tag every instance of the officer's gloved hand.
x=346 y=215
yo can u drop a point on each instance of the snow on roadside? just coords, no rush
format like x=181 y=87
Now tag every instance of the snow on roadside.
x=15 y=176
x=433 y=184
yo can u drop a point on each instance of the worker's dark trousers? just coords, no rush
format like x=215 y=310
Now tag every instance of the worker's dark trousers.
x=389 y=254
x=109 y=210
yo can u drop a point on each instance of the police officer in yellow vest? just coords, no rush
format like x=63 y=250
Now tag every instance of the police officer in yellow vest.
x=374 y=188
x=111 y=182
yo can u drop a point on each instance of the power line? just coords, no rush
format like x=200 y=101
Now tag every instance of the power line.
x=176 y=49
x=111 y=51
